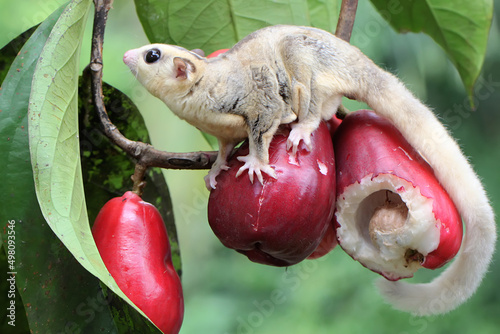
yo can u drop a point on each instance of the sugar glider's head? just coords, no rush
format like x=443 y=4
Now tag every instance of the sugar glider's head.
x=164 y=69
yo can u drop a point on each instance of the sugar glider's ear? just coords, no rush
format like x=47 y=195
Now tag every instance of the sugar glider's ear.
x=183 y=68
x=199 y=52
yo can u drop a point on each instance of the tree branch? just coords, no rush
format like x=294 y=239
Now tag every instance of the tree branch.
x=145 y=154
x=346 y=19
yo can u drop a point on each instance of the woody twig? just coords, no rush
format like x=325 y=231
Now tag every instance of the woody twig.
x=346 y=19
x=145 y=154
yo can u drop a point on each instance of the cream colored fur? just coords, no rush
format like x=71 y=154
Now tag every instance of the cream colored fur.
x=282 y=73
x=463 y=276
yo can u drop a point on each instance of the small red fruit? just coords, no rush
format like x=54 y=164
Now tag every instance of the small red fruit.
x=329 y=241
x=333 y=124
x=216 y=53
x=133 y=243
x=281 y=222
x=327 y=244
x=393 y=215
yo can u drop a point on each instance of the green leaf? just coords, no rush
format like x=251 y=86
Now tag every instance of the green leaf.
x=460 y=27
x=10 y=51
x=218 y=24
x=99 y=154
x=58 y=294
x=53 y=135
x=324 y=14
x=54 y=142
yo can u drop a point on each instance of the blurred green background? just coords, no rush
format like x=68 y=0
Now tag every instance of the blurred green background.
x=226 y=293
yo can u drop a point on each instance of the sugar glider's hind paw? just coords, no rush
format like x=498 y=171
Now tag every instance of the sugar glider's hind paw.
x=254 y=165
x=297 y=134
x=210 y=182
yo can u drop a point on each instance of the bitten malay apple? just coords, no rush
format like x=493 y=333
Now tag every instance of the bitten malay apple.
x=393 y=215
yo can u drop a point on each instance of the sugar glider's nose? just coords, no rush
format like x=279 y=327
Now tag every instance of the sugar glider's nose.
x=130 y=57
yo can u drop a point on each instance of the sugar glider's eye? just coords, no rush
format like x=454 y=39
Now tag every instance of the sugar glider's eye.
x=152 y=56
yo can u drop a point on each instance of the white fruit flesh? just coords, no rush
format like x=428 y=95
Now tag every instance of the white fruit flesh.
x=387 y=225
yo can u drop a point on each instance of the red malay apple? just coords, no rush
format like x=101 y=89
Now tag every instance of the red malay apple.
x=283 y=221
x=216 y=53
x=327 y=244
x=133 y=243
x=333 y=124
x=393 y=215
x=329 y=241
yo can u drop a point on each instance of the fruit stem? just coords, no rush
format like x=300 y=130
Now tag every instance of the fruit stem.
x=138 y=179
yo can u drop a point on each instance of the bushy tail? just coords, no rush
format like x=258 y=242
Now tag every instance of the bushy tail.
x=389 y=98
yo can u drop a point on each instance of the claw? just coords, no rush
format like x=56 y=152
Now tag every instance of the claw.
x=259 y=176
x=298 y=134
x=289 y=143
x=210 y=181
x=253 y=165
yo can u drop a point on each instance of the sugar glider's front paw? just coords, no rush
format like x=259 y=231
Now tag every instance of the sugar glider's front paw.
x=297 y=134
x=254 y=165
x=210 y=182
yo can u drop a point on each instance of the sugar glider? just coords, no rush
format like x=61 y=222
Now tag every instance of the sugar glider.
x=298 y=75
